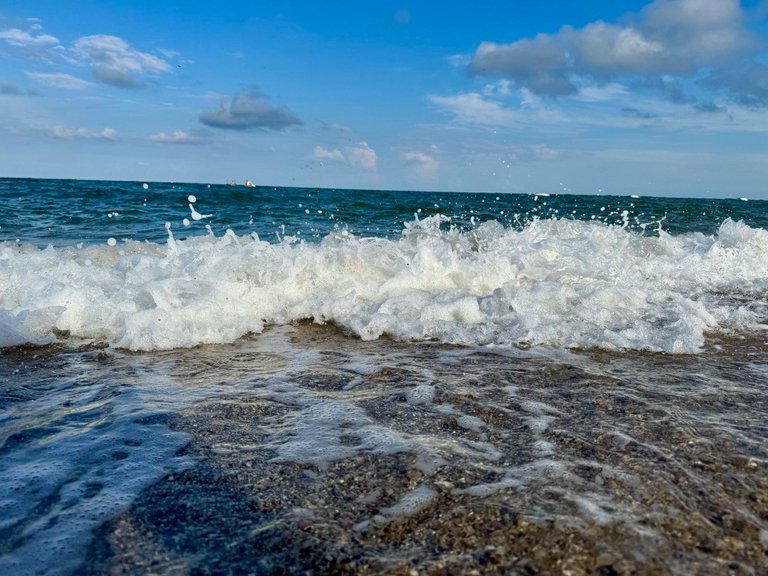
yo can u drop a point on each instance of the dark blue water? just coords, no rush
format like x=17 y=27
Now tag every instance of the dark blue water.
x=67 y=212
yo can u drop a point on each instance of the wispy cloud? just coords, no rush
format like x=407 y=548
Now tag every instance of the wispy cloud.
x=59 y=80
x=65 y=133
x=474 y=108
x=322 y=154
x=425 y=166
x=249 y=110
x=177 y=137
x=23 y=39
x=114 y=61
x=362 y=156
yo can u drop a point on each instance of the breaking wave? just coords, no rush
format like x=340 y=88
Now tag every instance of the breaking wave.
x=555 y=282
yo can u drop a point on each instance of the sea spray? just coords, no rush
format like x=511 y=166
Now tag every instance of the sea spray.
x=555 y=282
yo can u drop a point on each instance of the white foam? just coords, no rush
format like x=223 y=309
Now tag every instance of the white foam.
x=530 y=473
x=420 y=395
x=538 y=408
x=542 y=448
x=539 y=424
x=411 y=503
x=591 y=509
x=472 y=423
x=325 y=431
x=558 y=282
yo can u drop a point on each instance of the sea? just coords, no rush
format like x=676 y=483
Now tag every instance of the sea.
x=220 y=379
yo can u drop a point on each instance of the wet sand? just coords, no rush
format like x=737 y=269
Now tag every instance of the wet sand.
x=584 y=463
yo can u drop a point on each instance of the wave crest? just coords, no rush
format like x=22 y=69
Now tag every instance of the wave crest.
x=556 y=282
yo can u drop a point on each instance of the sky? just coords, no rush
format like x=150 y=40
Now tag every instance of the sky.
x=664 y=98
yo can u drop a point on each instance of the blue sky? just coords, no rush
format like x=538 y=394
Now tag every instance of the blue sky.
x=668 y=97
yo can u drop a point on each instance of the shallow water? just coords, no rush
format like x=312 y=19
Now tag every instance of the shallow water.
x=208 y=379
x=306 y=449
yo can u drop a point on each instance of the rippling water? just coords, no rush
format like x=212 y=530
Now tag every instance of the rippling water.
x=380 y=382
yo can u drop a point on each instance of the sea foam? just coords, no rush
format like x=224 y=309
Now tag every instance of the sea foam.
x=555 y=282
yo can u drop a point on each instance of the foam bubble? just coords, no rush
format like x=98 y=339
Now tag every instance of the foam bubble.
x=411 y=503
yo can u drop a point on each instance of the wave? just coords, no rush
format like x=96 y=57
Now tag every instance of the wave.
x=555 y=282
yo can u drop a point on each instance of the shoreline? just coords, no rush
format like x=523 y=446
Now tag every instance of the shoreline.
x=629 y=463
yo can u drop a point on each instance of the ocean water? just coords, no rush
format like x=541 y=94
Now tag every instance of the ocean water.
x=203 y=378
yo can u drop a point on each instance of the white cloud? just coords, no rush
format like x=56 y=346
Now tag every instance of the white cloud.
x=601 y=93
x=170 y=54
x=459 y=60
x=59 y=80
x=322 y=154
x=425 y=166
x=65 y=133
x=113 y=61
x=500 y=88
x=175 y=137
x=473 y=108
x=358 y=156
x=22 y=39
x=362 y=156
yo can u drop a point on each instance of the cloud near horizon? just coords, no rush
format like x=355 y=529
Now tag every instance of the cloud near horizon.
x=667 y=38
x=425 y=166
x=177 y=137
x=249 y=110
x=322 y=154
x=359 y=156
x=65 y=133
x=362 y=156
